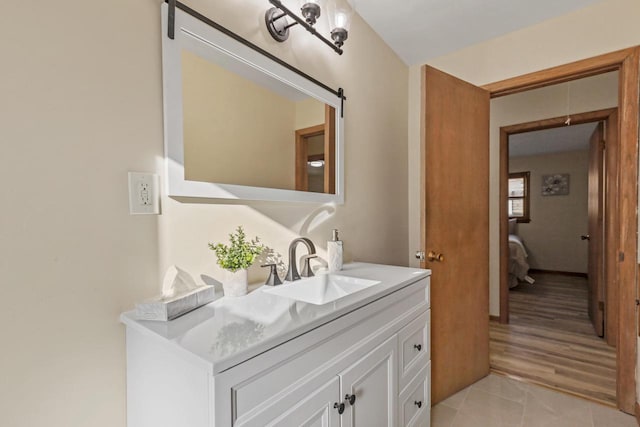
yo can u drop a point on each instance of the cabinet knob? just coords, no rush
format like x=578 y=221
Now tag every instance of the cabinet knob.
x=417 y=346
x=418 y=403
x=339 y=407
x=351 y=398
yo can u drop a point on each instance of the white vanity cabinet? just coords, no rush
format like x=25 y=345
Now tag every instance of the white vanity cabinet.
x=367 y=364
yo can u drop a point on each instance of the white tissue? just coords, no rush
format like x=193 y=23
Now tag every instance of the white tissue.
x=177 y=282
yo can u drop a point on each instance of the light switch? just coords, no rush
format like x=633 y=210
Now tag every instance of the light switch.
x=144 y=196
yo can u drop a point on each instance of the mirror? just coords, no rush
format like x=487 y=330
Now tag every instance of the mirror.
x=240 y=124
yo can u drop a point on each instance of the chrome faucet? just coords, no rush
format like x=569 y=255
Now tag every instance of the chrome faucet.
x=292 y=272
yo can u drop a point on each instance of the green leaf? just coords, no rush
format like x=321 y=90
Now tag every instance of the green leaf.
x=240 y=254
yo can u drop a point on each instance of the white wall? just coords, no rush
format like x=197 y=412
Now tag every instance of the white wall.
x=552 y=237
x=81 y=104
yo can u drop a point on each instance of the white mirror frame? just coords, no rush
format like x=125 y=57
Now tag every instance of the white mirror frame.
x=200 y=38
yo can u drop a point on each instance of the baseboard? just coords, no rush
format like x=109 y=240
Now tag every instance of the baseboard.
x=494 y=318
x=561 y=273
x=638 y=413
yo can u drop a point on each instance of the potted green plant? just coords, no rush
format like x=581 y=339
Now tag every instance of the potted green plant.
x=235 y=259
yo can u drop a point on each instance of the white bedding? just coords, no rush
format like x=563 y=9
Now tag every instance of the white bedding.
x=518 y=266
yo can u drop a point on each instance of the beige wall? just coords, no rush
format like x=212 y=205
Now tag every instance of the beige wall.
x=552 y=238
x=309 y=112
x=81 y=105
x=235 y=130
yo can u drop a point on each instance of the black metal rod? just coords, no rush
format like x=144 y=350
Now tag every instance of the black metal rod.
x=279 y=5
x=171 y=23
x=258 y=49
x=282 y=15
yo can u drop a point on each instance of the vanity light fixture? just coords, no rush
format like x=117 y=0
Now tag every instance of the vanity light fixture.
x=316 y=163
x=340 y=17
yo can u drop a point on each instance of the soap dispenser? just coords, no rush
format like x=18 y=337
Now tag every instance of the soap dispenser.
x=334 y=252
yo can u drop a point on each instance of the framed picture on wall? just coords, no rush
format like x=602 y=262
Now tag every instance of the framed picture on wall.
x=555 y=184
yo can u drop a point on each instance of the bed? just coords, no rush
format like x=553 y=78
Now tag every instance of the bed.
x=518 y=266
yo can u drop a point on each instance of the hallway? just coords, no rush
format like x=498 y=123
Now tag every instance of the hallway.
x=551 y=341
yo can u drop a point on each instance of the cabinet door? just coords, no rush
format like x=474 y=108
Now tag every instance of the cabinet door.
x=373 y=381
x=316 y=409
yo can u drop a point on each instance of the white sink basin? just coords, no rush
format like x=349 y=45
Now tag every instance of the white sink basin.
x=321 y=289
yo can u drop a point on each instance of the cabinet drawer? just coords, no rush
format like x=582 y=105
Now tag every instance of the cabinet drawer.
x=415 y=401
x=414 y=347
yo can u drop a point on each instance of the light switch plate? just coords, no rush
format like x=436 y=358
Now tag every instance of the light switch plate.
x=144 y=196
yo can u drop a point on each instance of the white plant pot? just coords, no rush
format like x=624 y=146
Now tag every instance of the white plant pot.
x=235 y=284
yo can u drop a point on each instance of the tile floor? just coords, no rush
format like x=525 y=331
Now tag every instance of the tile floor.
x=498 y=401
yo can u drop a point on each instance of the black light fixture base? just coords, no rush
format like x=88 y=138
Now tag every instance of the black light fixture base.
x=277 y=24
x=339 y=35
x=311 y=12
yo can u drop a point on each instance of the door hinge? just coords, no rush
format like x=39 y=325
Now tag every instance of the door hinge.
x=637 y=302
x=601 y=305
x=621 y=257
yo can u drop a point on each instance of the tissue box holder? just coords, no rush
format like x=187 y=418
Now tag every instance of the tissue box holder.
x=164 y=309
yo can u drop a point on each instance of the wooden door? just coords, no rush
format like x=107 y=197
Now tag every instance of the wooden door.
x=596 y=237
x=455 y=225
x=373 y=381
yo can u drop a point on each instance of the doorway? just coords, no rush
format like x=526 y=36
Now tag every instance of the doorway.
x=624 y=216
x=315 y=153
x=607 y=225
x=557 y=321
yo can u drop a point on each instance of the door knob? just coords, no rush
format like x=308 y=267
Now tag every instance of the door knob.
x=433 y=256
x=585 y=237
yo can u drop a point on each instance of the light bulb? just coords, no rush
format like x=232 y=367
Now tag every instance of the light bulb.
x=316 y=163
x=339 y=14
x=341 y=20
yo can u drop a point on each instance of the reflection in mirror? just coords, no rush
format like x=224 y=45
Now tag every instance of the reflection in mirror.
x=241 y=131
x=241 y=124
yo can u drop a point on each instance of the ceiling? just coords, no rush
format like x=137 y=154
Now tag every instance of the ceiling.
x=566 y=138
x=419 y=30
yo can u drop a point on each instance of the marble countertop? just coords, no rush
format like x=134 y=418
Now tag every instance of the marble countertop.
x=229 y=331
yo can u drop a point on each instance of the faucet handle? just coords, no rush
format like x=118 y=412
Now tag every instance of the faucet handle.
x=306 y=269
x=273 y=278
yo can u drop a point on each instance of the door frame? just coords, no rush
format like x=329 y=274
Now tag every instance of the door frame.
x=302 y=180
x=328 y=128
x=626 y=62
x=608 y=115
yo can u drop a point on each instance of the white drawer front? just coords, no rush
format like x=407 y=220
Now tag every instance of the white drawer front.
x=415 y=401
x=415 y=348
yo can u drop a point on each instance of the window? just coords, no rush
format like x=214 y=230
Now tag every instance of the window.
x=518 y=204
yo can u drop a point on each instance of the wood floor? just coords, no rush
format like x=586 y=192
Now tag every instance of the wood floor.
x=551 y=341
